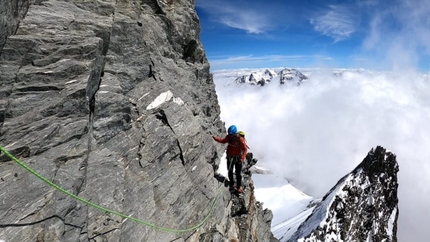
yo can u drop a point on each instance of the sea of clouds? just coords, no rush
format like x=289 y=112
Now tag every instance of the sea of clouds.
x=315 y=133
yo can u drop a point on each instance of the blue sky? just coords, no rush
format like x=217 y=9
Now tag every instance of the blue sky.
x=371 y=34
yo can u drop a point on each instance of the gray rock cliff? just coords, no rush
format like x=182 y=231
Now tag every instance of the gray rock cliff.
x=113 y=101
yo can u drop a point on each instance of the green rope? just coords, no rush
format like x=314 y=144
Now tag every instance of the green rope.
x=124 y=216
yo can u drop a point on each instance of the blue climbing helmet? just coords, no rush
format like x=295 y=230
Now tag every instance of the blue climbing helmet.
x=232 y=129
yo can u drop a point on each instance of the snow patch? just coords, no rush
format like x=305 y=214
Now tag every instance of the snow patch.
x=162 y=98
x=391 y=222
x=259 y=170
x=286 y=229
x=178 y=100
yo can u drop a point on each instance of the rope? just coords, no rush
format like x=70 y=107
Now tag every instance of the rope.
x=104 y=209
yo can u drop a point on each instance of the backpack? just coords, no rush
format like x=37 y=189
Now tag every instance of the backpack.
x=242 y=134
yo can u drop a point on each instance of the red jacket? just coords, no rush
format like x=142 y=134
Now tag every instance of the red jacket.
x=236 y=145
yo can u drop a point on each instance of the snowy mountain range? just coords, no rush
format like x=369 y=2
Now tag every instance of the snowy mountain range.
x=283 y=76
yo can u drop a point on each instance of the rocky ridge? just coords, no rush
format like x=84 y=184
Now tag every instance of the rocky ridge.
x=114 y=102
x=362 y=206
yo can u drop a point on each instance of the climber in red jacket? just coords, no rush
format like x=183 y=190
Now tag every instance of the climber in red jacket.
x=236 y=155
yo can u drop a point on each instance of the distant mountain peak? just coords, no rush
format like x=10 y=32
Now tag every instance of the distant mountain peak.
x=291 y=75
x=262 y=78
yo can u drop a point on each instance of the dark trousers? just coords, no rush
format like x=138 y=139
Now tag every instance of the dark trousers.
x=234 y=162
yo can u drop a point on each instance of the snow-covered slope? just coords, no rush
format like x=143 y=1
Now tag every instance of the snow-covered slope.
x=289 y=205
x=362 y=206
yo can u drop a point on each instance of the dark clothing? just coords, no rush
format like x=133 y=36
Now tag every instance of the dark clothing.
x=234 y=162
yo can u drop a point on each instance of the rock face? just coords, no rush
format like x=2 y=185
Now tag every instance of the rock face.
x=114 y=102
x=363 y=206
x=11 y=13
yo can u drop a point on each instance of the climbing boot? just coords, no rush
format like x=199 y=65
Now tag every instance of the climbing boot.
x=232 y=188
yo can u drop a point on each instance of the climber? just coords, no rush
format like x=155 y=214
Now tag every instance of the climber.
x=242 y=134
x=236 y=155
x=249 y=157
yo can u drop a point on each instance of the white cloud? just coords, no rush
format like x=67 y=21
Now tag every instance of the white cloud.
x=315 y=133
x=399 y=33
x=238 y=15
x=251 y=61
x=252 y=23
x=339 y=22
